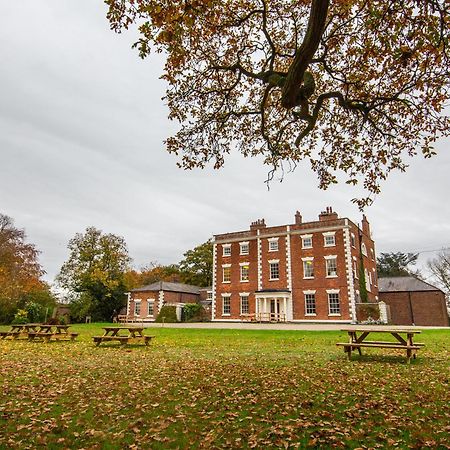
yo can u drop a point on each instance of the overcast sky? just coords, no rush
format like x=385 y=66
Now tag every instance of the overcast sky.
x=82 y=126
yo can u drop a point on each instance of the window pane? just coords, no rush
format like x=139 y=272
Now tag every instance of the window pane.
x=306 y=242
x=310 y=303
x=331 y=267
x=137 y=309
x=329 y=241
x=226 y=305
x=244 y=305
x=273 y=246
x=333 y=304
x=150 y=308
x=226 y=274
x=308 y=269
x=274 y=271
x=244 y=273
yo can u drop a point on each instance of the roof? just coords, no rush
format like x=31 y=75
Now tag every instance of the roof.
x=171 y=287
x=404 y=284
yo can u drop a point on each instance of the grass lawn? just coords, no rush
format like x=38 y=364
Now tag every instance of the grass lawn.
x=197 y=388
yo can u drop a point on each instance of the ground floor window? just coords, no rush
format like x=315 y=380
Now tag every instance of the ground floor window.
x=310 y=303
x=150 y=305
x=333 y=303
x=244 y=304
x=226 y=305
x=137 y=308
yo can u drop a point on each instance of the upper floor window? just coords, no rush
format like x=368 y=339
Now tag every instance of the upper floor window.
x=226 y=249
x=226 y=273
x=244 y=271
x=244 y=248
x=334 y=306
x=331 y=266
x=307 y=241
x=353 y=240
x=308 y=267
x=372 y=254
x=273 y=244
x=329 y=239
x=274 y=270
x=364 y=249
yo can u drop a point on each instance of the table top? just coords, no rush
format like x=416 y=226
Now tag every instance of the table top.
x=131 y=327
x=381 y=329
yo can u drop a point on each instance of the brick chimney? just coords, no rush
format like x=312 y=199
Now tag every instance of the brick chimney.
x=328 y=214
x=257 y=224
x=298 y=218
x=365 y=225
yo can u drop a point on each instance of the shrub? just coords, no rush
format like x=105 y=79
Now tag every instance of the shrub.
x=167 y=314
x=193 y=312
x=21 y=316
x=35 y=312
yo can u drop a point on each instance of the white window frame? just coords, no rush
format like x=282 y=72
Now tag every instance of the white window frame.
x=226 y=266
x=364 y=249
x=353 y=240
x=226 y=297
x=150 y=302
x=226 y=249
x=271 y=262
x=305 y=263
x=334 y=292
x=372 y=254
x=355 y=268
x=244 y=265
x=136 y=303
x=247 y=296
x=271 y=242
x=331 y=258
x=209 y=295
x=243 y=245
x=329 y=234
x=304 y=237
x=305 y=293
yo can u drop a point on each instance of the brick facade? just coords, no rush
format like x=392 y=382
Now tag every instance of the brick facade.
x=423 y=308
x=287 y=248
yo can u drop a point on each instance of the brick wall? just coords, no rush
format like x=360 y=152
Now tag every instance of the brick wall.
x=425 y=308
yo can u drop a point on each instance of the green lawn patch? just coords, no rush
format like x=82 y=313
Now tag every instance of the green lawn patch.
x=200 y=388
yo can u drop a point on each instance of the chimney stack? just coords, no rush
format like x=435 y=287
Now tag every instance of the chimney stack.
x=365 y=225
x=260 y=223
x=328 y=214
x=298 y=218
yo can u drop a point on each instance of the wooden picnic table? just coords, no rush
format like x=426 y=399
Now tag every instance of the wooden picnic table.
x=48 y=332
x=32 y=331
x=403 y=339
x=123 y=334
x=19 y=330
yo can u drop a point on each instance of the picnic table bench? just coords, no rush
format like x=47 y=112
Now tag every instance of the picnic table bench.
x=19 y=330
x=134 y=334
x=356 y=342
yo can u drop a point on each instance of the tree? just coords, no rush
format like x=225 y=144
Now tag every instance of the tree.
x=151 y=274
x=94 y=273
x=396 y=264
x=440 y=268
x=20 y=271
x=197 y=265
x=351 y=85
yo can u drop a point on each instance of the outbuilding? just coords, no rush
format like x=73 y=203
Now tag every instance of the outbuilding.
x=413 y=301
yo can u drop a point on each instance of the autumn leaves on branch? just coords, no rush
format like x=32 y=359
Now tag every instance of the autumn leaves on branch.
x=353 y=86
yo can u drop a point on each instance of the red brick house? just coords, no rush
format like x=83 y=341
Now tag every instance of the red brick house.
x=305 y=271
x=413 y=302
x=145 y=302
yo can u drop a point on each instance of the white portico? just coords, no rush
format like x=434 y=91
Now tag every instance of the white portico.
x=273 y=306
